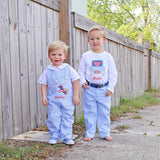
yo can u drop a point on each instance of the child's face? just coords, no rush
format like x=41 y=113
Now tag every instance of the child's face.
x=57 y=57
x=96 y=41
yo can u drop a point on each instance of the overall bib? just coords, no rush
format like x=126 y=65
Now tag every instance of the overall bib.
x=60 y=103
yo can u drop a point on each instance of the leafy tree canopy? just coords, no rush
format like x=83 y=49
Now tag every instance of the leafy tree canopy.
x=129 y=18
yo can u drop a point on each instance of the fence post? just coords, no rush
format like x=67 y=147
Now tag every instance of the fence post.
x=149 y=65
x=64 y=22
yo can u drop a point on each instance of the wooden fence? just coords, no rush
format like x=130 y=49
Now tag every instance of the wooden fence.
x=26 y=29
x=155 y=70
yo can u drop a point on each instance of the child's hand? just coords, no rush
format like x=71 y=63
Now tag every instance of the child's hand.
x=85 y=85
x=76 y=100
x=44 y=101
x=108 y=93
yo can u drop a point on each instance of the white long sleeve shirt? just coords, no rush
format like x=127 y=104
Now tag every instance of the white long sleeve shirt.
x=98 y=68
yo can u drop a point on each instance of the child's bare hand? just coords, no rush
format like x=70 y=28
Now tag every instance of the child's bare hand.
x=108 y=93
x=44 y=101
x=76 y=100
x=85 y=85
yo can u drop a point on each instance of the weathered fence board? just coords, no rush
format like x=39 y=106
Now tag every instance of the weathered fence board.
x=155 y=70
x=31 y=65
x=15 y=69
x=24 y=64
x=1 y=109
x=6 y=72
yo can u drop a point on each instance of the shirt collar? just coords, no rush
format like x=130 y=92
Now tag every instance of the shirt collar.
x=51 y=67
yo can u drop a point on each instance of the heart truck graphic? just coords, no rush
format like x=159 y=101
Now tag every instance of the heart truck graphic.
x=97 y=63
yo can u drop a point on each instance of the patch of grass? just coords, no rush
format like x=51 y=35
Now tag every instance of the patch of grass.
x=26 y=150
x=122 y=127
x=137 y=117
x=81 y=120
x=149 y=98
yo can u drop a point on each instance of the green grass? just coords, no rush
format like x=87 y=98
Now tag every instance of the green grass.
x=132 y=105
x=137 y=117
x=15 y=150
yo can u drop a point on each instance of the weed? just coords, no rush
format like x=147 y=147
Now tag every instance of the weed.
x=122 y=127
x=137 y=117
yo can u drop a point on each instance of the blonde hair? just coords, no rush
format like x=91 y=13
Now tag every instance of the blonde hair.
x=57 y=45
x=98 y=28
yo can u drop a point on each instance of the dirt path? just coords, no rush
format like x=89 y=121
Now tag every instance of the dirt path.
x=140 y=141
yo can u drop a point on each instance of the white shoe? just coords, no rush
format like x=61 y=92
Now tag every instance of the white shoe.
x=52 y=140
x=68 y=141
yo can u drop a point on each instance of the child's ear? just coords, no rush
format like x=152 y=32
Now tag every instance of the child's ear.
x=104 y=39
x=65 y=56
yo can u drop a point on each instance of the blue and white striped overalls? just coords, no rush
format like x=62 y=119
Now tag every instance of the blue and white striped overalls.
x=60 y=103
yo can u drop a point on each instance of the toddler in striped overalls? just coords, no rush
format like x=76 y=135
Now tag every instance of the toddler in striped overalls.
x=59 y=88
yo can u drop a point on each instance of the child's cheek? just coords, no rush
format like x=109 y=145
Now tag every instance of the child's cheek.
x=61 y=59
x=52 y=58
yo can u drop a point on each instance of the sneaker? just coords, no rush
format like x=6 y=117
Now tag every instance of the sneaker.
x=68 y=141
x=52 y=140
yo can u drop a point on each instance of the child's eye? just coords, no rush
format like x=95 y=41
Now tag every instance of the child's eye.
x=60 y=54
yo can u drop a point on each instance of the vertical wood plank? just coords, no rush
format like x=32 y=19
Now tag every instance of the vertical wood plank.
x=129 y=73
x=31 y=65
x=149 y=66
x=44 y=52
x=55 y=28
x=38 y=57
x=15 y=70
x=44 y=36
x=50 y=36
x=6 y=71
x=1 y=118
x=117 y=90
x=22 y=10
x=77 y=54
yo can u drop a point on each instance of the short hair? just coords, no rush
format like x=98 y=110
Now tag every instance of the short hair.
x=99 y=28
x=57 y=45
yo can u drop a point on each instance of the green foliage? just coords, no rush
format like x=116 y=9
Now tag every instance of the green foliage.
x=128 y=18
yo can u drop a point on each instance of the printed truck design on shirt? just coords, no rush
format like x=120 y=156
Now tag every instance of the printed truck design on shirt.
x=61 y=89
